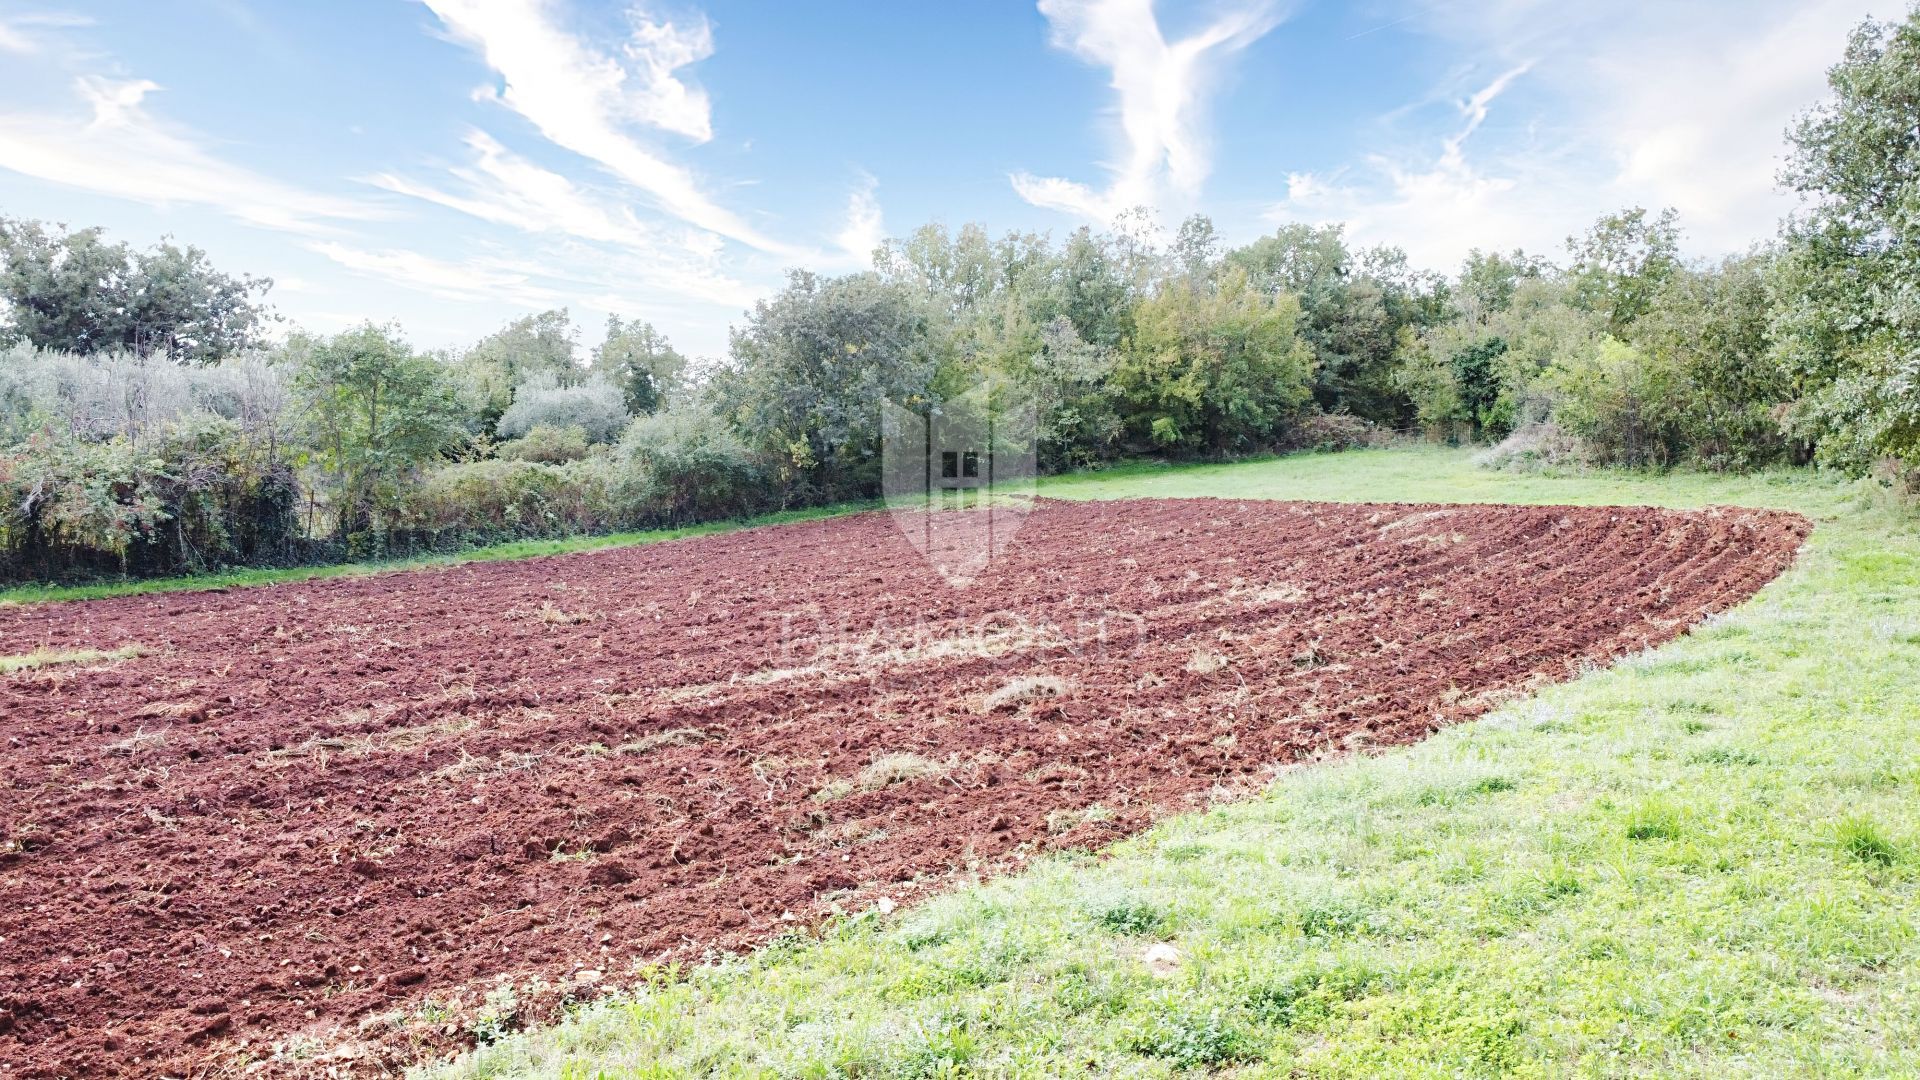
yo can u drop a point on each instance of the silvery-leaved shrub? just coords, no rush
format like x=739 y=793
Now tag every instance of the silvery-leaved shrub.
x=594 y=406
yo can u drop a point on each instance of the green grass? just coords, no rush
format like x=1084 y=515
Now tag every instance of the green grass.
x=1697 y=862
x=518 y=549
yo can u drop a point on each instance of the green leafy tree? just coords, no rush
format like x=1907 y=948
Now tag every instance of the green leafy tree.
x=1626 y=405
x=376 y=412
x=74 y=291
x=542 y=345
x=1483 y=369
x=1488 y=280
x=1088 y=284
x=1476 y=380
x=1849 y=281
x=810 y=369
x=1622 y=261
x=638 y=359
x=1711 y=324
x=1354 y=313
x=1068 y=380
x=1214 y=370
x=1196 y=248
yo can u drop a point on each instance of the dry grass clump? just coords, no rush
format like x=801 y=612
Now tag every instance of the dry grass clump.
x=552 y=614
x=1024 y=689
x=1206 y=662
x=890 y=769
x=137 y=743
x=41 y=658
x=1065 y=821
x=884 y=772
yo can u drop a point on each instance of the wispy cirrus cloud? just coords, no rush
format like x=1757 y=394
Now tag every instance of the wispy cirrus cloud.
x=505 y=188
x=583 y=98
x=114 y=145
x=471 y=280
x=1438 y=208
x=1161 y=90
x=23 y=33
x=1648 y=103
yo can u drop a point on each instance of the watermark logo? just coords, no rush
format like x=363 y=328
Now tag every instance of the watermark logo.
x=959 y=477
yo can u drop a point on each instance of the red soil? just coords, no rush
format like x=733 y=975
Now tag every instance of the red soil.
x=312 y=805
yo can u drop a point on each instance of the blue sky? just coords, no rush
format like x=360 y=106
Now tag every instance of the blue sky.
x=454 y=163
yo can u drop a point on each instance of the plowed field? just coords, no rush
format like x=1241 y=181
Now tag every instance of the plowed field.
x=308 y=807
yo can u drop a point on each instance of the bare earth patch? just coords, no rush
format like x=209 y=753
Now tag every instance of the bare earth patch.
x=313 y=808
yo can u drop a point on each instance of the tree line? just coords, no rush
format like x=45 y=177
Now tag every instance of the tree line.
x=151 y=422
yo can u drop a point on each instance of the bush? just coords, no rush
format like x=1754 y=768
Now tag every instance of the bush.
x=547 y=445
x=1327 y=432
x=100 y=396
x=482 y=501
x=1622 y=403
x=201 y=495
x=670 y=468
x=1533 y=448
x=596 y=407
x=688 y=465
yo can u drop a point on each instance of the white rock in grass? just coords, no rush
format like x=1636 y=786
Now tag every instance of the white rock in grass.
x=1162 y=960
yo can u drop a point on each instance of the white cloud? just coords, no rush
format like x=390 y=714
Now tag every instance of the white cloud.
x=1437 y=211
x=120 y=149
x=646 y=277
x=1651 y=104
x=865 y=229
x=1698 y=121
x=507 y=189
x=17 y=32
x=581 y=98
x=1161 y=88
x=470 y=280
x=660 y=99
x=504 y=188
x=588 y=280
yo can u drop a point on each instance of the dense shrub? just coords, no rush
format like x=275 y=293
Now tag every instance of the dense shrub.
x=119 y=393
x=547 y=445
x=1327 y=432
x=1479 y=375
x=198 y=496
x=492 y=500
x=687 y=465
x=1710 y=327
x=1626 y=405
x=669 y=468
x=1215 y=368
x=596 y=407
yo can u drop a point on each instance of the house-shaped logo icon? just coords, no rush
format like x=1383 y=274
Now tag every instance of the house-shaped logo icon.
x=959 y=477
